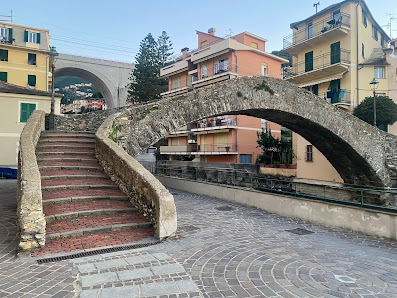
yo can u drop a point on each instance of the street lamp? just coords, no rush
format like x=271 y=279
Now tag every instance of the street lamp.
x=374 y=85
x=51 y=118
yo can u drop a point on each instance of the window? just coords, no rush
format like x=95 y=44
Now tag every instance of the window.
x=309 y=30
x=309 y=153
x=26 y=110
x=3 y=55
x=362 y=50
x=246 y=158
x=204 y=71
x=31 y=59
x=32 y=37
x=254 y=45
x=6 y=35
x=379 y=72
x=364 y=19
x=264 y=70
x=221 y=66
x=176 y=82
x=309 y=61
x=374 y=32
x=3 y=76
x=31 y=80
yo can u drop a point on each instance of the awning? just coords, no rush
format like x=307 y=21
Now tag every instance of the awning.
x=323 y=80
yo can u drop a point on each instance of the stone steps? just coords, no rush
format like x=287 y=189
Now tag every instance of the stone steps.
x=80 y=201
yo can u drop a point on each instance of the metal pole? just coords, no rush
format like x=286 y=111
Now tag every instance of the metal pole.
x=374 y=109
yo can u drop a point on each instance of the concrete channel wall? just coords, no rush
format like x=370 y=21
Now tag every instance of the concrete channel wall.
x=30 y=216
x=368 y=222
x=144 y=190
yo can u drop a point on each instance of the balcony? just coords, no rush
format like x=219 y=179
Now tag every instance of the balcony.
x=222 y=73
x=217 y=149
x=337 y=97
x=322 y=66
x=178 y=149
x=320 y=31
x=176 y=91
x=175 y=68
x=215 y=124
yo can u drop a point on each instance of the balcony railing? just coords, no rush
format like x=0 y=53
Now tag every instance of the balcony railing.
x=319 y=62
x=341 y=96
x=218 y=70
x=316 y=29
x=6 y=40
x=221 y=147
x=216 y=122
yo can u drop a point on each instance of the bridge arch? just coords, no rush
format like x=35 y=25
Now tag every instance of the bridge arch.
x=110 y=77
x=359 y=152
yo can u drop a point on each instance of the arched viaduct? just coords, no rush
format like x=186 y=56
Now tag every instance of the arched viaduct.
x=359 y=152
x=110 y=77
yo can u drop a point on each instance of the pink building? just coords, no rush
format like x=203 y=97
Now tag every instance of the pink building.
x=229 y=139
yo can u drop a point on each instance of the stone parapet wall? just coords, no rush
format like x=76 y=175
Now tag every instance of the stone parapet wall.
x=30 y=216
x=145 y=191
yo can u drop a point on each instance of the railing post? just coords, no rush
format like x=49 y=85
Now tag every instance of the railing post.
x=271 y=185
x=295 y=189
x=325 y=192
x=361 y=198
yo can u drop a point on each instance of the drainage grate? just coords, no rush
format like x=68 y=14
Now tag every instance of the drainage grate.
x=300 y=231
x=96 y=252
x=224 y=208
x=188 y=228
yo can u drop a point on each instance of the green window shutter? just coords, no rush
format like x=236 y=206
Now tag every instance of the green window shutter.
x=10 y=35
x=31 y=80
x=3 y=55
x=26 y=36
x=26 y=110
x=38 y=37
x=3 y=76
x=309 y=61
x=335 y=52
x=315 y=89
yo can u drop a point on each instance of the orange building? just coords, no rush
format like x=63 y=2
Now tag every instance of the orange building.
x=229 y=139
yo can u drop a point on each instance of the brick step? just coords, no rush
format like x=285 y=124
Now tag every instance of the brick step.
x=66 y=135
x=49 y=202
x=51 y=155
x=103 y=223
x=89 y=183
x=41 y=146
x=82 y=193
x=71 y=168
x=68 y=150
x=70 y=174
x=86 y=187
x=67 y=140
x=68 y=163
x=96 y=241
x=81 y=206
x=69 y=132
x=71 y=159
x=79 y=214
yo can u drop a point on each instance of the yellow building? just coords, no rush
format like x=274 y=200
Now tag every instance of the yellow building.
x=336 y=54
x=24 y=56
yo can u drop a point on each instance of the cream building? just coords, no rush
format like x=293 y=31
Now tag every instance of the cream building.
x=24 y=59
x=336 y=53
x=17 y=103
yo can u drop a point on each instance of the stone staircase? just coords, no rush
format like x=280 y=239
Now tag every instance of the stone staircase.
x=83 y=208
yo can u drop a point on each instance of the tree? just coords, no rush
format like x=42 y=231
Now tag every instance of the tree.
x=164 y=48
x=97 y=94
x=285 y=55
x=386 y=111
x=146 y=81
x=271 y=145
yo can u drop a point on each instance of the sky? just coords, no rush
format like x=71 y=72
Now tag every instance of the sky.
x=113 y=30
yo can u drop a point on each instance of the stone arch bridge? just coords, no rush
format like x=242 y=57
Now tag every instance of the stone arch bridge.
x=110 y=77
x=359 y=152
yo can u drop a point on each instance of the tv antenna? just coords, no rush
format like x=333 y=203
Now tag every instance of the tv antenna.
x=229 y=33
x=316 y=4
x=6 y=18
x=389 y=25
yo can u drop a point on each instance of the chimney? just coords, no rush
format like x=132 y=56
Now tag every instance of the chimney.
x=211 y=31
x=184 y=52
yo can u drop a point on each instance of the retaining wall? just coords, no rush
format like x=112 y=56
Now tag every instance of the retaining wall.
x=368 y=222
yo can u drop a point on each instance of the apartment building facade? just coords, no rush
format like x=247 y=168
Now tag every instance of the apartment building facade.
x=24 y=59
x=336 y=54
x=229 y=139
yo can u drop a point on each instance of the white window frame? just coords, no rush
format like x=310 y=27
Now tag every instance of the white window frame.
x=379 y=74
x=32 y=37
x=4 y=33
x=176 y=82
x=309 y=153
x=264 y=71
x=203 y=71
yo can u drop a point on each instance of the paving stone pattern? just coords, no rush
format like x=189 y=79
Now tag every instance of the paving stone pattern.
x=232 y=252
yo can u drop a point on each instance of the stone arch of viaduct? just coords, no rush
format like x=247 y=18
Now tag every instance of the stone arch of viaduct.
x=359 y=152
x=110 y=77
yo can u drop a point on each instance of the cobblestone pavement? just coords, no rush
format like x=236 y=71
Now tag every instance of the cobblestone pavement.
x=223 y=250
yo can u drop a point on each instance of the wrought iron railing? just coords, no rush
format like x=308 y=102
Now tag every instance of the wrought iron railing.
x=318 y=28
x=221 y=147
x=337 y=96
x=318 y=62
x=220 y=121
x=229 y=67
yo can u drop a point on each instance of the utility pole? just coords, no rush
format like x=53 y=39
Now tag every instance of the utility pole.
x=316 y=4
